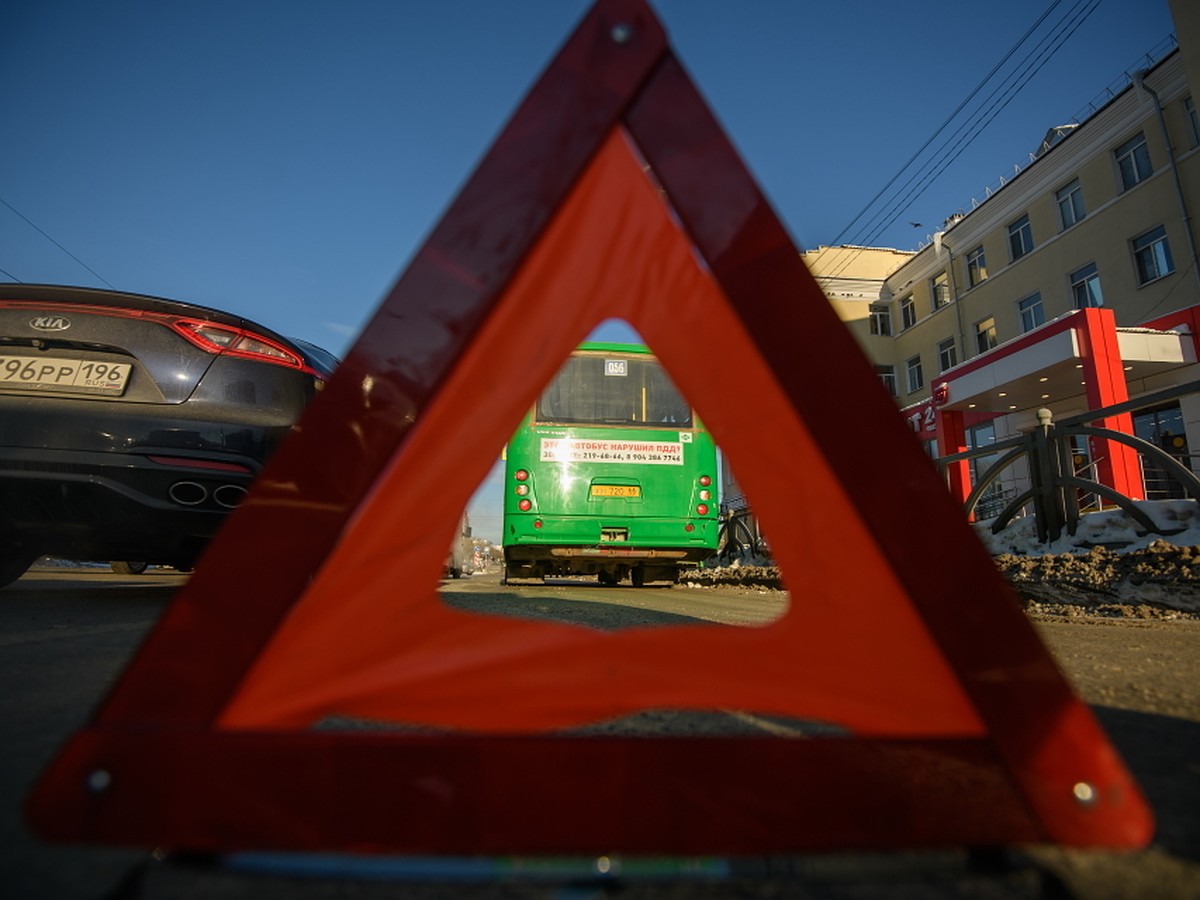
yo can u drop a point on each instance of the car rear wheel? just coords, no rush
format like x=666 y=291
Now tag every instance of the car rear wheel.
x=129 y=568
x=14 y=564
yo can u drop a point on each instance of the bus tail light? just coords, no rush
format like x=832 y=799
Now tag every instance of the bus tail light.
x=704 y=494
x=521 y=477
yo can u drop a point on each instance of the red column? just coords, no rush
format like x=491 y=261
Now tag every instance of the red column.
x=1104 y=375
x=952 y=438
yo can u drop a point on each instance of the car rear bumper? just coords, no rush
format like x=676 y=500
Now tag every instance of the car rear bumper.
x=91 y=505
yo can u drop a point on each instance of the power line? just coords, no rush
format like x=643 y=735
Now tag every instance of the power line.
x=947 y=121
x=924 y=176
x=24 y=219
x=952 y=148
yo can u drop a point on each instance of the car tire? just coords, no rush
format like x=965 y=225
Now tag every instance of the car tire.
x=129 y=568
x=14 y=564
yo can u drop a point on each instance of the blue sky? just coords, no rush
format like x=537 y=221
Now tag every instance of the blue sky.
x=285 y=160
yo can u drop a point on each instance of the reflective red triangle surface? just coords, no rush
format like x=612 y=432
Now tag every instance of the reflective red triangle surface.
x=612 y=193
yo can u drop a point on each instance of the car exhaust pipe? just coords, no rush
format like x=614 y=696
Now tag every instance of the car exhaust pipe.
x=229 y=495
x=187 y=493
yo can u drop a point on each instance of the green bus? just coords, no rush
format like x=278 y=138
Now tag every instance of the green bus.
x=610 y=474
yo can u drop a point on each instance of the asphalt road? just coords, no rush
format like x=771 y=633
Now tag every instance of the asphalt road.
x=65 y=636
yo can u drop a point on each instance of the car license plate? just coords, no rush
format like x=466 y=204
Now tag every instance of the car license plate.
x=616 y=490
x=75 y=376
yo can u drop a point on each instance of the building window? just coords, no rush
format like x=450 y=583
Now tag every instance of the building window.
x=916 y=380
x=887 y=374
x=991 y=501
x=1189 y=106
x=1070 y=204
x=1020 y=238
x=1152 y=256
x=1085 y=287
x=947 y=355
x=939 y=287
x=1032 y=313
x=908 y=312
x=976 y=266
x=985 y=334
x=1163 y=426
x=881 y=319
x=1133 y=161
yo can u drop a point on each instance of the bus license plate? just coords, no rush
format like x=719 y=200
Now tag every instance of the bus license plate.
x=616 y=490
x=76 y=376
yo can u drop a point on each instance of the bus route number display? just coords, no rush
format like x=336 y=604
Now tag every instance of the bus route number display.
x=660 y=453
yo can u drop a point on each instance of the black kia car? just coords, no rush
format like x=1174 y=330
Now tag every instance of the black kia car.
x=130 y=425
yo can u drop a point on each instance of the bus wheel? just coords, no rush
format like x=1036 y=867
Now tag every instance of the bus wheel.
x=606 y=578
x=638 y=576
x=122 y=567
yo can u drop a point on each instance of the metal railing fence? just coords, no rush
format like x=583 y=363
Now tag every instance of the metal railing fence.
x=1058 y=491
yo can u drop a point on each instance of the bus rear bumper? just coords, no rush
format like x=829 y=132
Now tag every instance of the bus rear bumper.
x=611 y=564
x=620 y=552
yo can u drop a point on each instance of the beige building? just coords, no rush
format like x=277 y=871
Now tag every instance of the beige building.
x=1072 y=287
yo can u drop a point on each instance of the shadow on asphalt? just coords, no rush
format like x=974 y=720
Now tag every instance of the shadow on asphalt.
x=1162 y=751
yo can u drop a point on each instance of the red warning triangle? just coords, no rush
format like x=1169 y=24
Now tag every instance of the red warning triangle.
x=611 y=193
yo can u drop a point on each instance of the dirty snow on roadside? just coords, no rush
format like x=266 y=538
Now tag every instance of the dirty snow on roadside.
x=1113 y=529
x=1111 y=566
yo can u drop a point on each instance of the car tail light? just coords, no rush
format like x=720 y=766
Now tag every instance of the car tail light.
x=211 y=337
x=521 y=475
x=525 y=504
x=231 y=341
x=705 y=480
x=702 y=509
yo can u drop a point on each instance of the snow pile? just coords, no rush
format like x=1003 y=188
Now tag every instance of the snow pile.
x=1159 y=581
x=1110 y=567
x=1113 y=529
x=747 y=571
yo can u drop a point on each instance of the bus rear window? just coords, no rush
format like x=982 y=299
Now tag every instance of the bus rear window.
x=608 y=389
